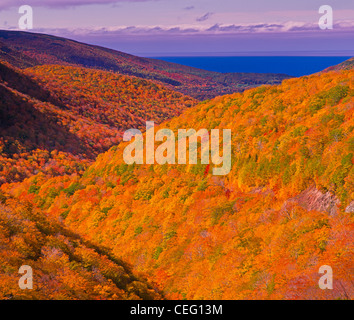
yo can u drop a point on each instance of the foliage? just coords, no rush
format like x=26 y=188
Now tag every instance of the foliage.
x=57 y=119
x=260 y=232
x=64 y=265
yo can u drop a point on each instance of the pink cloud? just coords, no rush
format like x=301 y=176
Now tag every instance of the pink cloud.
x=217 y=29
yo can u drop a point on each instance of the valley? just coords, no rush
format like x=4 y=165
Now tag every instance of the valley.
x=96 y=227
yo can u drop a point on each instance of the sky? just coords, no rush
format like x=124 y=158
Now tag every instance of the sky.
x=194 y=27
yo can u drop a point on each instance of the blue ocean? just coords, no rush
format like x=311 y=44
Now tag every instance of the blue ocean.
x=293 y=66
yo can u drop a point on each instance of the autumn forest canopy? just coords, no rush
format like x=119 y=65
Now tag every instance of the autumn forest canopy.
x=95 y=227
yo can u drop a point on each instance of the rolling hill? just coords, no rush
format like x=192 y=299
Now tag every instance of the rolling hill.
x=25 y=49
x=260 y=232
x=59 y=118
x=346 y=65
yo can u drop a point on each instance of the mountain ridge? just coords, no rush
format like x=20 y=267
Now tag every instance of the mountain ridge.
x=346 y=65
x=31 y=49
x=59 y=118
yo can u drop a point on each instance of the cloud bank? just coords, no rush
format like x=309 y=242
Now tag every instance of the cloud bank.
x=288 y=27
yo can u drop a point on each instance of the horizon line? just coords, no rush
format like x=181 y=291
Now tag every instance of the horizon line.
x=319 y=54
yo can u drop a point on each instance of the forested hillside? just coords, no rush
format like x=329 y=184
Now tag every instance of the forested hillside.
x=260 y=232
x=57 y=119
x=64 y=265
